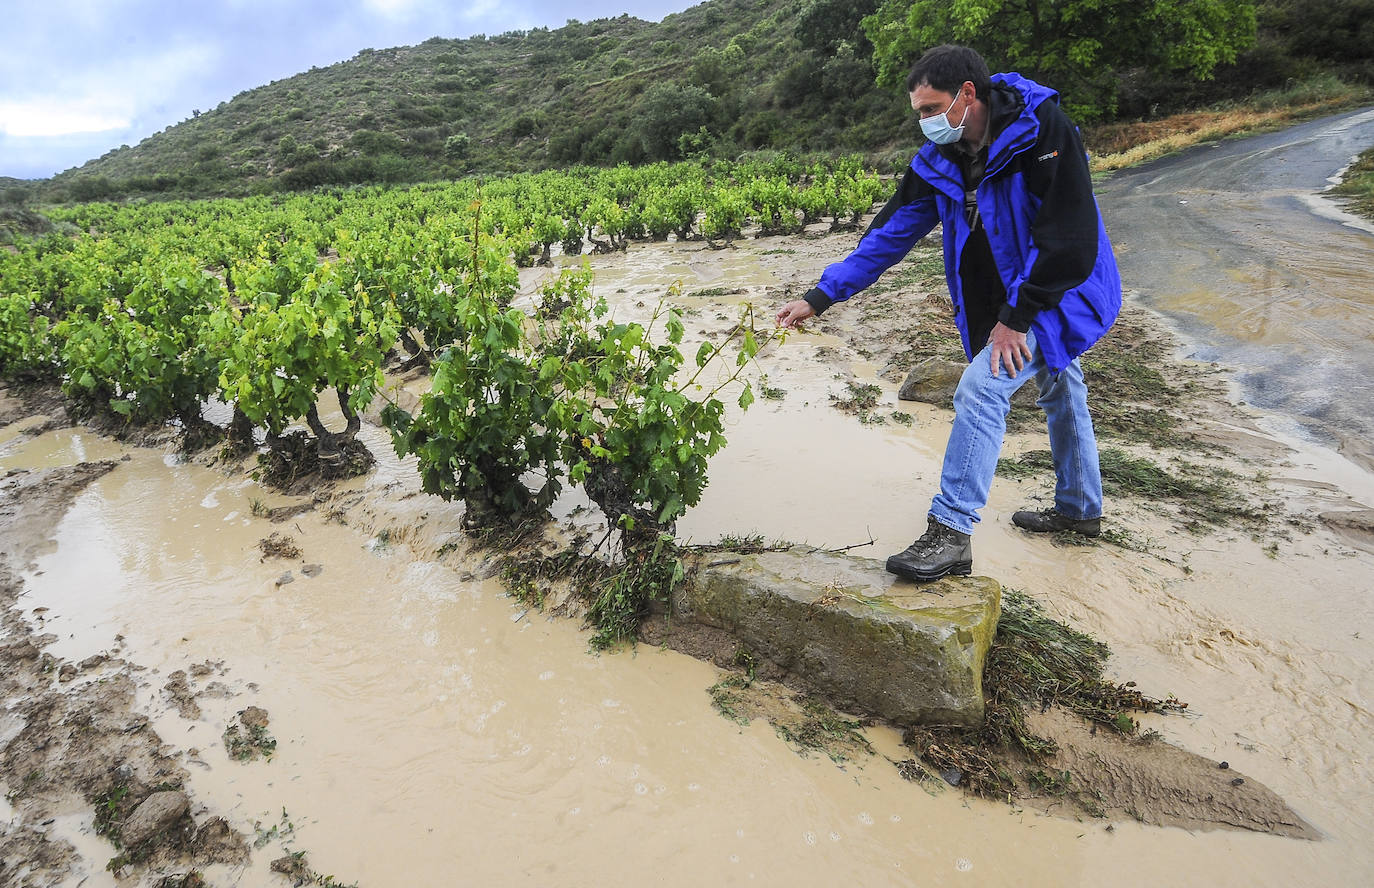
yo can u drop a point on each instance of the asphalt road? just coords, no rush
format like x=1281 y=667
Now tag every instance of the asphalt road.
x=1232 y=242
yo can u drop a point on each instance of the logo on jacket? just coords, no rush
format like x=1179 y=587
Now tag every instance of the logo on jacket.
x=1044 y=157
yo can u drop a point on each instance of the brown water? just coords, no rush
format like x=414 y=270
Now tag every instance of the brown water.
x=432 y=731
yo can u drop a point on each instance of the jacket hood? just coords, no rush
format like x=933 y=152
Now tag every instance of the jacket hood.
x=1032 y=93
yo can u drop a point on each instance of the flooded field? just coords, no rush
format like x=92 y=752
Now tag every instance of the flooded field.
x=431 y=730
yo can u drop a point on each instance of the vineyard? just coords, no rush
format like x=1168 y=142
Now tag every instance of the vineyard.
x=152 y=312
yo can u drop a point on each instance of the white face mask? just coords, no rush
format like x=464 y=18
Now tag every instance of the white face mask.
x=937 y=129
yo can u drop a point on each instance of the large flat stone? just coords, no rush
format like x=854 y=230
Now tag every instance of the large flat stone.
x=863 y=639
x=934 y=380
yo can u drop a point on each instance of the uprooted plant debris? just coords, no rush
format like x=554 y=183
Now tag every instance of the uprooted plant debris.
x=1205 y=496
x=248 y=739
x=805 y=723
x=1035 y=661
x=618 y=596
x=279 y=545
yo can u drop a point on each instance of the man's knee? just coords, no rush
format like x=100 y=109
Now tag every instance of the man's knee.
x=1065 y=386
x=978 y=387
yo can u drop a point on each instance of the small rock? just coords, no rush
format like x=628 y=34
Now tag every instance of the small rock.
x=932 y=381
x=20 y=650
x=200 y=670
x=254 y=717
x=93 y=661
x=157 y=812
x=217 y=842
x=285 y=578
x=1224 y=765
x=1238 y=781
x=952 y=776
x=67 y=672
x=312 y=570
x=294 y=867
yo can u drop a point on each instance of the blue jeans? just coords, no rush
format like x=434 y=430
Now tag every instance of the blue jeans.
x=981 y=403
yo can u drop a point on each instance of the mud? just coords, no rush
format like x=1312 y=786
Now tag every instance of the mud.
x=81 y=746
x=1153 y=782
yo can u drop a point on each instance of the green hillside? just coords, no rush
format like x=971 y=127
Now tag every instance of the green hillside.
x=719 y=79
x=606 y=91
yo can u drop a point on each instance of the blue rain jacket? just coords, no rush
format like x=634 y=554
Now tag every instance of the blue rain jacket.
x=1042 y=221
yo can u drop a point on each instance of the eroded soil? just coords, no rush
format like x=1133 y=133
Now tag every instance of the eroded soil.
x=76 y=744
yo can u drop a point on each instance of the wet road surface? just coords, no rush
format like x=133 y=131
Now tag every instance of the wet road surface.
x=1233 y=243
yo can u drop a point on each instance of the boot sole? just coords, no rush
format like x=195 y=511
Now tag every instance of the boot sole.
x=957 y=569
x=1034 y=527
x=1086 y=533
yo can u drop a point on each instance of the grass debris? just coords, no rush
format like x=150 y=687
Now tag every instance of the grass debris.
x=807 y=724
x=1205 y=496
x=618 y=595
x=861 y=400
x=1035 y=660
x=247 y=738
x=278 y=545
x=1358 y=185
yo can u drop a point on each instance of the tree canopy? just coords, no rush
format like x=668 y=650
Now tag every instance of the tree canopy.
x=1081 y=47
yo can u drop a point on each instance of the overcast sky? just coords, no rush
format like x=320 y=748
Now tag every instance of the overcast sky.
x=79 y=77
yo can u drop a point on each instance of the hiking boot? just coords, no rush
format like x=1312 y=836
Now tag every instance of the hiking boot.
x=939 y=552
x=1051 y=520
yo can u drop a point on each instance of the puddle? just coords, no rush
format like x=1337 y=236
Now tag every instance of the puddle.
x=63 y=447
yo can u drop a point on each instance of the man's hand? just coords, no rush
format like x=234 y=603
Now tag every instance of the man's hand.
x=1009 y=349
x=794 y=313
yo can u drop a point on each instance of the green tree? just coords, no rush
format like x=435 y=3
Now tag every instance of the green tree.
x=16 y=195
x=666 y=112
x=823 y=24
x=26 y=346
x=300 y=330
x=716 y=70
x=1340 y=31
x=1078 y=46
x=458 y=146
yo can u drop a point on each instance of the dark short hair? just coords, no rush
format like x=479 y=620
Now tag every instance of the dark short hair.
x=946 y=67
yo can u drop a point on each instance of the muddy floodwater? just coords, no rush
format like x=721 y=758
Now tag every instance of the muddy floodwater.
x=433 y=731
